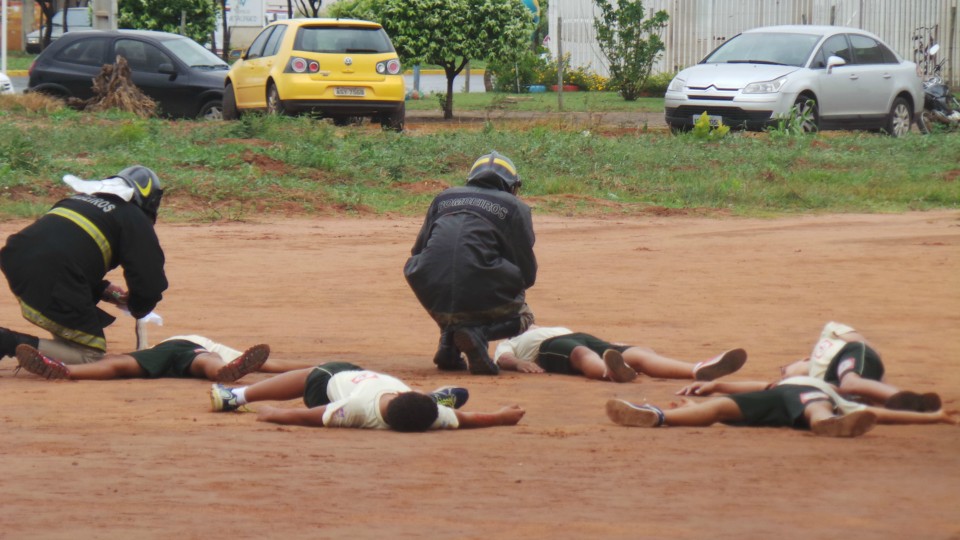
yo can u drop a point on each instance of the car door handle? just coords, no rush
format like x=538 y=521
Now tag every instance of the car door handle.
x=887 y=75
x=854 y=77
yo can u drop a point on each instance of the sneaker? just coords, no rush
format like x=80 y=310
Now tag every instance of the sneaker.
x=617 y=369
x=31 y=360
x=450 y=396
x=627 y=414
x=848 y=425
x=222 y=399
x=471 y=341
x=448 y=357
x=721 y=365
x=9 y=340
x=251 y=360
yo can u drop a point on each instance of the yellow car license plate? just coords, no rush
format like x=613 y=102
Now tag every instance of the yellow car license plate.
x=351 y=91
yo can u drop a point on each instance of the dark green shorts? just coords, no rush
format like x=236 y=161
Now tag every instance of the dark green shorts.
x=168 y=359
x=780 y=406
x=315 y=392
x=856 y=358
x=554 y=356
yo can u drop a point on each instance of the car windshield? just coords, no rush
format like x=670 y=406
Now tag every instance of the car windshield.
x=335 y=39
x=194 y=55
x=765 y=48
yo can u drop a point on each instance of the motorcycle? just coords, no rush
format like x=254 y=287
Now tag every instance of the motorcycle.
x=940 y=106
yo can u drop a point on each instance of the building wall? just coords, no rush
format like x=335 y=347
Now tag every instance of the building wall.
x=696 y=27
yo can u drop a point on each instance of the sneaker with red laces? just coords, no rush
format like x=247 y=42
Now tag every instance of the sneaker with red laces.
x=31 y=360
x=720 y=365
x=627 y=414
x=251 y=360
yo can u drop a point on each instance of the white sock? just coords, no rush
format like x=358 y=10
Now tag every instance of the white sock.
x=241 y=394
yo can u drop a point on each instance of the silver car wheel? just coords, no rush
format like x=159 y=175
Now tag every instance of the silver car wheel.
x=900 y=118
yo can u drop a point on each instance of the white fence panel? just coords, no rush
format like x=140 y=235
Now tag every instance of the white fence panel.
x=696 y=27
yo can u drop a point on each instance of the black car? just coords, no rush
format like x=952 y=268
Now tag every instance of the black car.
x=184 y=79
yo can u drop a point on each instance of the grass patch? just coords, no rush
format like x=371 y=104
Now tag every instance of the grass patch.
x=19 y=60
x=295 y=166
x=542 y=102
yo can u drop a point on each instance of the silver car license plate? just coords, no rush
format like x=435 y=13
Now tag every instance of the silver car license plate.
x=714 y=120
x=351 y=91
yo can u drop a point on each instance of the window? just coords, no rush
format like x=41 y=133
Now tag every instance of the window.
x=85 y=51
x=833 y=46
x=142 y=56
x=256 y=48
x=336 y=39
x=866 y=50
x=273 y=44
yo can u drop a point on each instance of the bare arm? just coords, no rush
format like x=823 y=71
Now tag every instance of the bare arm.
x=890 y=416
x=292 y=417
x=705 y=388
x=510 y=362
x=507 y=416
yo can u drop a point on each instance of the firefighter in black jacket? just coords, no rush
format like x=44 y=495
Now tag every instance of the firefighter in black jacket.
x=56 y=266
x=473 y=262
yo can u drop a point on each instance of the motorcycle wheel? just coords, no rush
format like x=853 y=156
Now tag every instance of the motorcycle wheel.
x=925 y=122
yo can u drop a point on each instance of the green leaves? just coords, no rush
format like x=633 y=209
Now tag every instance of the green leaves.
x=198 y=16
x=630 y=41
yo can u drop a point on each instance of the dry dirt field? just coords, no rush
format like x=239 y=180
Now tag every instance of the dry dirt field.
x=146 y=459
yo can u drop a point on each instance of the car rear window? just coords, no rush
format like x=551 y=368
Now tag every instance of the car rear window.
x=335 y=39
x=84 y=51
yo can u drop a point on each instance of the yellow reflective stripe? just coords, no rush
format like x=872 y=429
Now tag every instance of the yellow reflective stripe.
x=90 y=229
x=505 y=165
x=76 y=336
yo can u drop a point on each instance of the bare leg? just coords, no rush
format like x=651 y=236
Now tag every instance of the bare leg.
x=207 y=365
x=587 y=362
x=646 y=360
x=112 y=366
x=873 y=391
x=283 y=366
x=289 y=385
x=703 y=413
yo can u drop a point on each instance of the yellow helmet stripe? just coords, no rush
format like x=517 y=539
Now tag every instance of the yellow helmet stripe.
x=497 y=161
x=144 y=191
x=89 y=228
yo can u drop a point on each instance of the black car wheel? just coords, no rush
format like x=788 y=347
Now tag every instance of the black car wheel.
x=211 y=110
x=394 y=121
x=806 y=113
x=230 y=111
x=900 y=118
x=274 y=105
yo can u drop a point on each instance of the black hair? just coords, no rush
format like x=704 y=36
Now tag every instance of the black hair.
x=411 y=411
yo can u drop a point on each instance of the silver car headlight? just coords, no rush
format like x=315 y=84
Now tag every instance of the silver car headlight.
x=676 y=85
x=765 y=87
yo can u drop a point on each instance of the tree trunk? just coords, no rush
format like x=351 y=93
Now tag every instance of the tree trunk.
x=448 y=106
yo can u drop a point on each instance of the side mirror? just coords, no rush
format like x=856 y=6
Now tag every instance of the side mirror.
x=933 y=50
x=167 y=69
x=833 y=62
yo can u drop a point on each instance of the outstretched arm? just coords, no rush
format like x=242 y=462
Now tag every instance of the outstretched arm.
x=705 y=388
x=510 y=362
x=507 y=416
x=292 y=417
x=890 y=416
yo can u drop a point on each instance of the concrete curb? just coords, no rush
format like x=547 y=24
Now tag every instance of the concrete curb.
x=17 y=73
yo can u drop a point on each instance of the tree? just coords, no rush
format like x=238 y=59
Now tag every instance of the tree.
x=197 y=18
x=630 y=42
x=310 y=8
x=225 y=49
x=47 y=8
x=449 y=33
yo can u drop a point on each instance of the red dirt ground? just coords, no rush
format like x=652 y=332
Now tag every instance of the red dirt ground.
x=119 y=459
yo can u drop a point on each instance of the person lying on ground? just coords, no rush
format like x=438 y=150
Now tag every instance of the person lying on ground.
x=844 y=358
x=555 y=349
x=796 y=402
x=341 y=394
x=179 y=356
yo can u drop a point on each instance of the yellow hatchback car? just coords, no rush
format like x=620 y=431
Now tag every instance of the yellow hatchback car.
x=339 y=68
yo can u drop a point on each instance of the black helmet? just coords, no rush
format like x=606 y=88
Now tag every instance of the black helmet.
x=494 y=171
x=147 y=190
